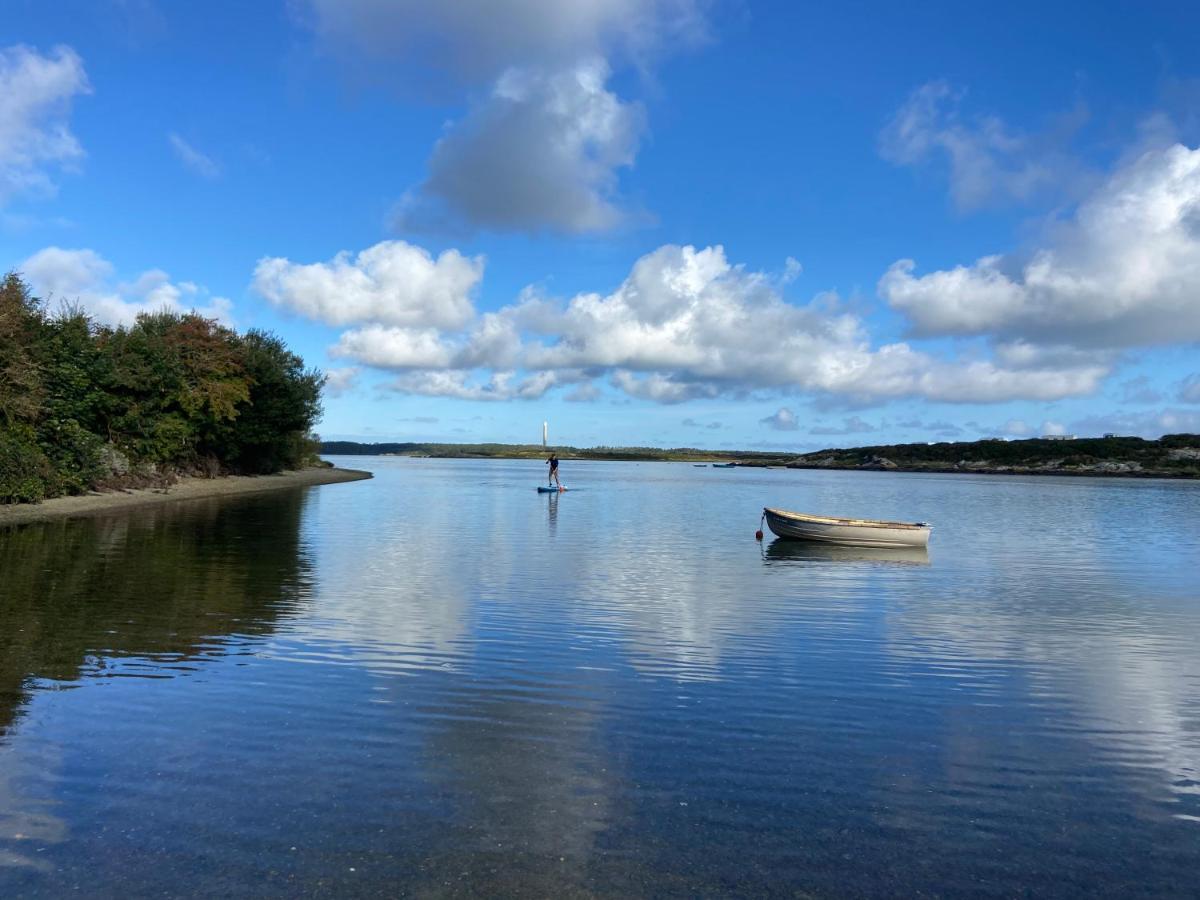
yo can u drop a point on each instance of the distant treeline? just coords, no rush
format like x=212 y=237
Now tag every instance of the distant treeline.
x=84 y=406
x=1172 y=454
x=1176 y=455
x=523 y=451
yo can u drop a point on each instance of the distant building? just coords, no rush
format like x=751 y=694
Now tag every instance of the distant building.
x=1111 y=434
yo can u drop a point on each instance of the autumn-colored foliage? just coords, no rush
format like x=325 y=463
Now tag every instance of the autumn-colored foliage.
x=81 y=403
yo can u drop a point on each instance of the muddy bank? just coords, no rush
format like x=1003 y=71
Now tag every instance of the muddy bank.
x=184 y=489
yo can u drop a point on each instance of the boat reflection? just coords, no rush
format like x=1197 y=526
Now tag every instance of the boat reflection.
x=782 y=551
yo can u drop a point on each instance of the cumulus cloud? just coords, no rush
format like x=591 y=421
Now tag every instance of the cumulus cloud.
x=341 y=381
x=850 y=425
x=543 y=149
x=696 y=326
x=541 y=153
x=474 y=40
x=783 y=419
x=988 y=161
x=192 y=158
x=459 y=385
x=1123 y=272
x=86 y=278
x=35 y=101
x=394 y=348
x=392 y=283
x=685 y=324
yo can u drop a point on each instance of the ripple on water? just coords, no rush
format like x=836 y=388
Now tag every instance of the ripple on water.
x=441 y=682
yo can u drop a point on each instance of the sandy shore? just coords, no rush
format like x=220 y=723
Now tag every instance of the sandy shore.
x=184 y=489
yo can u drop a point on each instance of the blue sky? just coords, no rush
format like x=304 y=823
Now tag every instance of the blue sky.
x=666 y=222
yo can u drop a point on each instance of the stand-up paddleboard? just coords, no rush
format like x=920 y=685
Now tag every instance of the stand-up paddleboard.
x=550 y=490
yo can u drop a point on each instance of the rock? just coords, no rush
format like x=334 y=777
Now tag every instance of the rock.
x=114 y=461
x=878 y=462
x=1179 y=454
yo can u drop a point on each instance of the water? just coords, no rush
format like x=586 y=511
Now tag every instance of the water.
x=441 y=683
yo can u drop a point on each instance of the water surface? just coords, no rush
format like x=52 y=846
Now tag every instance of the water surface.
x=440 y=683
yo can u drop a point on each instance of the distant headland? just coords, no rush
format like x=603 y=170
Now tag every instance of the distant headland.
x=1171 y=456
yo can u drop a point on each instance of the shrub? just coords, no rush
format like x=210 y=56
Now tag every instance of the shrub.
x=75 y=455
x=24 y=469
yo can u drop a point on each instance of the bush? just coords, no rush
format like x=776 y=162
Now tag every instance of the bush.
x=24 y=469
x=82 y=404
x=76 y=456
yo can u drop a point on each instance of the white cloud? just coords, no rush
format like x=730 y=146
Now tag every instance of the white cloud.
x=661 y=388
x=35 y=100
x=543 y=150
x=86 y=278
x=687 y=324
x=475 y=40
x=394 y=348
x=988 y=161
x=392 y=283
x=1053 y=429
x=458 y=384
x=341 y=381
x=1125 y=271
x=541 y=153
x=192 y=158
x=698 y=326
x=783 y=419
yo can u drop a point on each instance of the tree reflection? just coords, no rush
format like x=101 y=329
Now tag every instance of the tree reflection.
x=166 y=584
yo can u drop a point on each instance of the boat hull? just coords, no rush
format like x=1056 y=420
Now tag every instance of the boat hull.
x=846 y=532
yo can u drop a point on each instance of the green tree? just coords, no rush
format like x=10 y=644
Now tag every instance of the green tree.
x=21 y=321
x=271 y=432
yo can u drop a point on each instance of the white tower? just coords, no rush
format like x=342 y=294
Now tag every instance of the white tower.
x=544 y=434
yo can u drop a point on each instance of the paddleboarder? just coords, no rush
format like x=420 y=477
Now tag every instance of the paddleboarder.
x=552 y=462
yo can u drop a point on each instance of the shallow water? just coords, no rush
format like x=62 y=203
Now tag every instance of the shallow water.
x=440 y=682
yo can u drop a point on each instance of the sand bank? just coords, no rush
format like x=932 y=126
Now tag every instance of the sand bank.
x=184 y=489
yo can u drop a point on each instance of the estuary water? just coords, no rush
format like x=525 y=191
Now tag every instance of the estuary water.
x=441 y=683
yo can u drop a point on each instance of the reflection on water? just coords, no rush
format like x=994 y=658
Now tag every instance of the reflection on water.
x=157 y=593
x=149 y=594
x=781 y=550
x=441 y=682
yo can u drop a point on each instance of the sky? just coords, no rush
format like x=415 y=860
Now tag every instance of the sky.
x=703 y=223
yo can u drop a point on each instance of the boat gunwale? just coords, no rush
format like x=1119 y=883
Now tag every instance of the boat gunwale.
x=833 y=520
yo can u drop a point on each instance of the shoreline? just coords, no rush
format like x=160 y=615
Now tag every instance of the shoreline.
x=187 y=488
x=774 y=464
x=999 y=470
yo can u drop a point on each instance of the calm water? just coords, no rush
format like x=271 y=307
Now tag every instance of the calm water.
x=442 y=683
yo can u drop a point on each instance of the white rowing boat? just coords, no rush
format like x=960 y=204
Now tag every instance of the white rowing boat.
x=846 y=532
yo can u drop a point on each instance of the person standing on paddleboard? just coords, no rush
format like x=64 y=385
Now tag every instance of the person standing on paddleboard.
x=552 y=462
